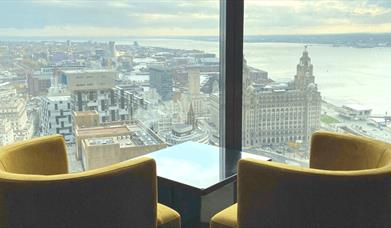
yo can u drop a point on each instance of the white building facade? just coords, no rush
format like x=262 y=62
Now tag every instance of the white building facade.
x=56 y=116
x=279 y=113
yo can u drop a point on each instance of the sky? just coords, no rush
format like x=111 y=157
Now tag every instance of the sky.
x=124 y=18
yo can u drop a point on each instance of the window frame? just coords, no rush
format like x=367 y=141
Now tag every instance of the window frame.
x=231 y=84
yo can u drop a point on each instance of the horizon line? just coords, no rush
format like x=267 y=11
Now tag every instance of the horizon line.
x=186 y=36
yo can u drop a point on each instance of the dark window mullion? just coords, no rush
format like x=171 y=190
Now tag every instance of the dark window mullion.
x=231 y=75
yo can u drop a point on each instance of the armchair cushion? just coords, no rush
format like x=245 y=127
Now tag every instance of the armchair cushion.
x=167 y=217
x=227 y=218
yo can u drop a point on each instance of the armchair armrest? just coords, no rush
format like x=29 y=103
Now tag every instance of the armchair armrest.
x=332 y=151
x=43 y=156
x=279 y=195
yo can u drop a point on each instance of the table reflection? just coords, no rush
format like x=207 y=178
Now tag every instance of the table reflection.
x=197 y=165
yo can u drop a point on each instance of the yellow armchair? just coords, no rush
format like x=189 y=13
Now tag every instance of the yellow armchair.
x=348 y=184
x=37 y=191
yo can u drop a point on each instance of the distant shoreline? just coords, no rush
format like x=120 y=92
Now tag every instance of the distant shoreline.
x=356 y=40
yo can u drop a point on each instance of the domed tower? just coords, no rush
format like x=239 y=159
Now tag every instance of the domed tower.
x=304 y=71
x=246 y=75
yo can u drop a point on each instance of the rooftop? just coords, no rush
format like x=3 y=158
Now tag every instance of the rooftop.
x=103 y=131
x=158 y=68
x=100 y=141
x=209 y=60
x=126 y=135
x=143 y=138
x=357 y=107
x=86 y=113
x=77 y=71
x=138 y=138
x=182 y=128
x=58 y=98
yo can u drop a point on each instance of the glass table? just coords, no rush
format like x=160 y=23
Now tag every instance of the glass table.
x=190 y=176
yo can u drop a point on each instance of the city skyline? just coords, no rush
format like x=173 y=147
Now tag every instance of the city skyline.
x=59 y=57
x=279 y=116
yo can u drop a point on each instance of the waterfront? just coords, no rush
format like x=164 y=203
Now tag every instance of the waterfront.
x=344 y=74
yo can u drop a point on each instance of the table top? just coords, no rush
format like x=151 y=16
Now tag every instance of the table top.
x=193 y=164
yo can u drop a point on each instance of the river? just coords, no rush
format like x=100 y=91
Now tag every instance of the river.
x=344 y=75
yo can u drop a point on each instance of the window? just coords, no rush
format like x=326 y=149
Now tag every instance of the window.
x=327 y=61
x=145 y=65
x=142 y=64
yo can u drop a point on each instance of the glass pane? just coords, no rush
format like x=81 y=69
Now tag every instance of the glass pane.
x=118 y=79
x=314 y=65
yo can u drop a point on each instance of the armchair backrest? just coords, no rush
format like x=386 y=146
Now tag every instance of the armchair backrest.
x=332 y=151
x=44 y=156
x=279 y=195
x=121 y=195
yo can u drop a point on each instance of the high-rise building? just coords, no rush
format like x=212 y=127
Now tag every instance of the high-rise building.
x=112 y=50
x=93 y=90
x=130 y=102
x=190 y=117
x=193 y=74
x=214 y=120
x=38 y=82
x=192 y=96
x=56 y=116
x=160 y=78
x=279 y=113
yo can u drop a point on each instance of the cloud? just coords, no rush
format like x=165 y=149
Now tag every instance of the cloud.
x=95 y=31
x=311 y=17
x=45 y=17
x=186 y=17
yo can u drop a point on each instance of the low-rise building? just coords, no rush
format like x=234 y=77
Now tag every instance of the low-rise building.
x=103 y=151
x=86 y=119
x=355 y=112
x=181 y=133
x=6 y=132
x=106 y=144
x=14 y=109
